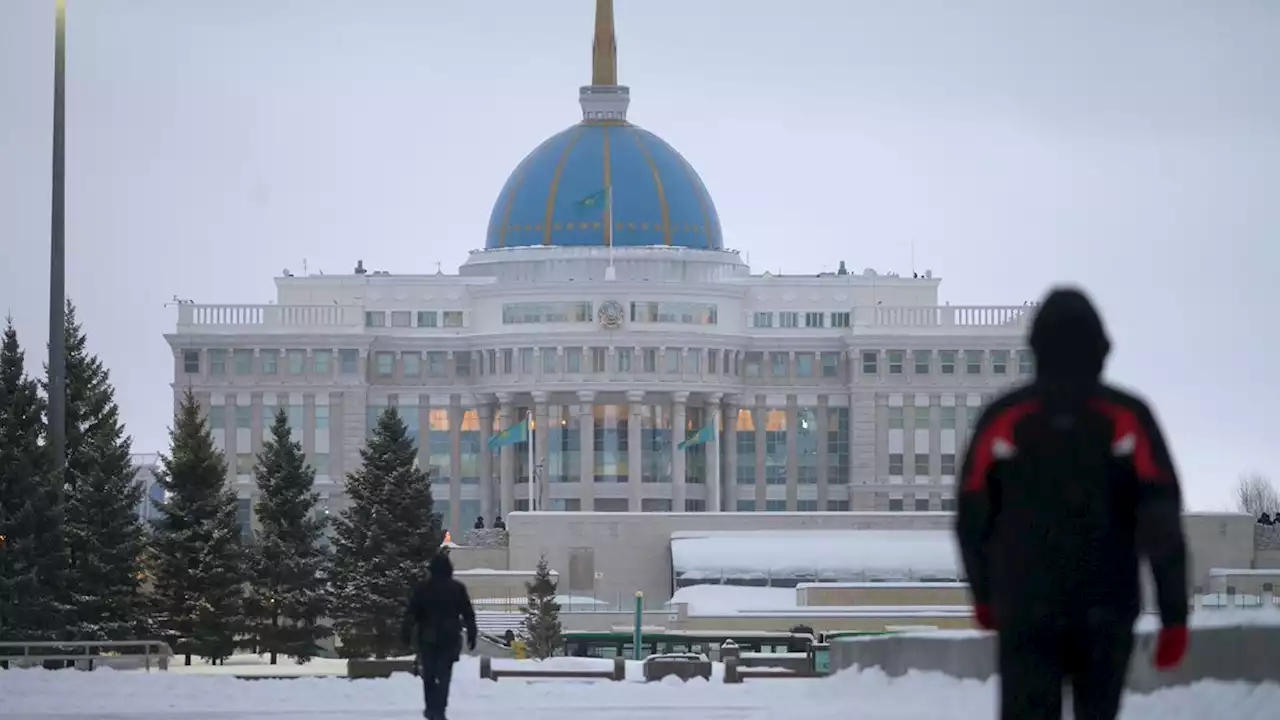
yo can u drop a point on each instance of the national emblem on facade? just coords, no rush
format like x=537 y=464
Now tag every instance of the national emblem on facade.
x=611 y=315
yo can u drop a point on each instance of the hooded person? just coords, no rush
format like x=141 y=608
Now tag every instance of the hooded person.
x=438 y=613
x=1066 y=485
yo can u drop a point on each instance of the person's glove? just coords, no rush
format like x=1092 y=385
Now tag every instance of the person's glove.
x=471 y=642
x=1171 y=647
x=984 y=617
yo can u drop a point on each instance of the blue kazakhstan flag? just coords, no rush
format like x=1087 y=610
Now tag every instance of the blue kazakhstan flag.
x=702 y=437
x=517 y=433
x=592 y=203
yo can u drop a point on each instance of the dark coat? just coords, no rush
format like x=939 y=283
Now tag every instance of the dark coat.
x=438 y=613
x=1066 y=484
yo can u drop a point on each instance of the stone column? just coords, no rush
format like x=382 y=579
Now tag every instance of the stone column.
x=587 y=443
x=730 y=441
x=455 y=465
x=793 y=453
x=506 y=457
x=824 y=458
x=484 y=411
x=715 y=485
x=635 y=456
x=542 y=428
x=679 y=412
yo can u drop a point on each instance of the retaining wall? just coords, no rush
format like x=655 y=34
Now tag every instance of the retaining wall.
x=1248 y=653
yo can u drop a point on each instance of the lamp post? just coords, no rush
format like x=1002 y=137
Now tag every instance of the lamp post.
x=57 y=254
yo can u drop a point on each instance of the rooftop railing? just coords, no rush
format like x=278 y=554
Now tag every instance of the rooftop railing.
x=194 y=318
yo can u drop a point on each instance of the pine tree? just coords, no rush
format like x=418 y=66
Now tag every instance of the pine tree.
x=542 y=630
x=104 y=534
x=384 y=540
x=196 y=543
x=288 y=593
x=33 y=557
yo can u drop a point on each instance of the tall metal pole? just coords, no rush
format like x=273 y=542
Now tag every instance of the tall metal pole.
x=58 y=252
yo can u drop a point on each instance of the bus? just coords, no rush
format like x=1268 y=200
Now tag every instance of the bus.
x=620 y=643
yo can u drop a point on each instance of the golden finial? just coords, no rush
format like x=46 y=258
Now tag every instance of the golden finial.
x=604 y=49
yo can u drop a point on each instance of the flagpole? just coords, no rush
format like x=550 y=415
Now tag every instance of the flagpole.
x=528 y=418
x=715 y=440
x=608 y=212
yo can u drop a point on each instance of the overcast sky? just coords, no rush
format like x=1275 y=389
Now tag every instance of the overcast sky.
x=1132 y=147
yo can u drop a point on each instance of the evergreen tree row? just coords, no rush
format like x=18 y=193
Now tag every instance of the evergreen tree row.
x=77 y=562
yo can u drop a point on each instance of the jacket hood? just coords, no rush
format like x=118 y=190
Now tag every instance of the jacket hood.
x=441 y=566
x=1068 y=337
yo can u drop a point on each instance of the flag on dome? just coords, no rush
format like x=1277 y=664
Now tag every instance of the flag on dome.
x=593 y=202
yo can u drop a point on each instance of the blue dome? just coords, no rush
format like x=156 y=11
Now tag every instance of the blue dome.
x=658 y=198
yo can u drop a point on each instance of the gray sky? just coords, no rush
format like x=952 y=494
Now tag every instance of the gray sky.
x=1132 y=147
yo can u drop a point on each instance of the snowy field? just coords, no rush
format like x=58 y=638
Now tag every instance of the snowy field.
x=209 y=694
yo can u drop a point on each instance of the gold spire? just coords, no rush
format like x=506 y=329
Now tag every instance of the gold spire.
x=604 y=49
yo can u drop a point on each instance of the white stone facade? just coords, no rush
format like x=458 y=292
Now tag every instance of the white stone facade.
x=832 y=392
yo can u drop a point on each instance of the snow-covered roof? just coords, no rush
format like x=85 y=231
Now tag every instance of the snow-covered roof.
x=832 y=554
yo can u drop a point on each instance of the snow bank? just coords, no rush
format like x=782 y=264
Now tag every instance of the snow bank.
x=834 y=554
x=71 y=695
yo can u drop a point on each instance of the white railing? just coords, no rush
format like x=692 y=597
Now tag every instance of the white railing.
x=962 y=316
x=275 y=317
x=248 y=318
x=153 y=651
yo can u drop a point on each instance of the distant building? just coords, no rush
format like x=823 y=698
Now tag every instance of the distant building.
x=606 y=306
x=146 y=466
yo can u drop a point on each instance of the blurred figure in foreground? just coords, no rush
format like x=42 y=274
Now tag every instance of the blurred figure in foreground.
x=1066 y=484
x=438 y=613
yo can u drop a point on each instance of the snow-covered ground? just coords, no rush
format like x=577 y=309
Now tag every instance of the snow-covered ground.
x=186 y=695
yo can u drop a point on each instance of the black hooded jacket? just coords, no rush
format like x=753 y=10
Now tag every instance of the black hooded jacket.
x=1066 y=484
x=439 y=611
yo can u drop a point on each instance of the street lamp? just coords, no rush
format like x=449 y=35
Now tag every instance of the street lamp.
x=58 y=253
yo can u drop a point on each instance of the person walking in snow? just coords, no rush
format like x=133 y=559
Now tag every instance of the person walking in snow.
x=438 y=613
x=1066 y=484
